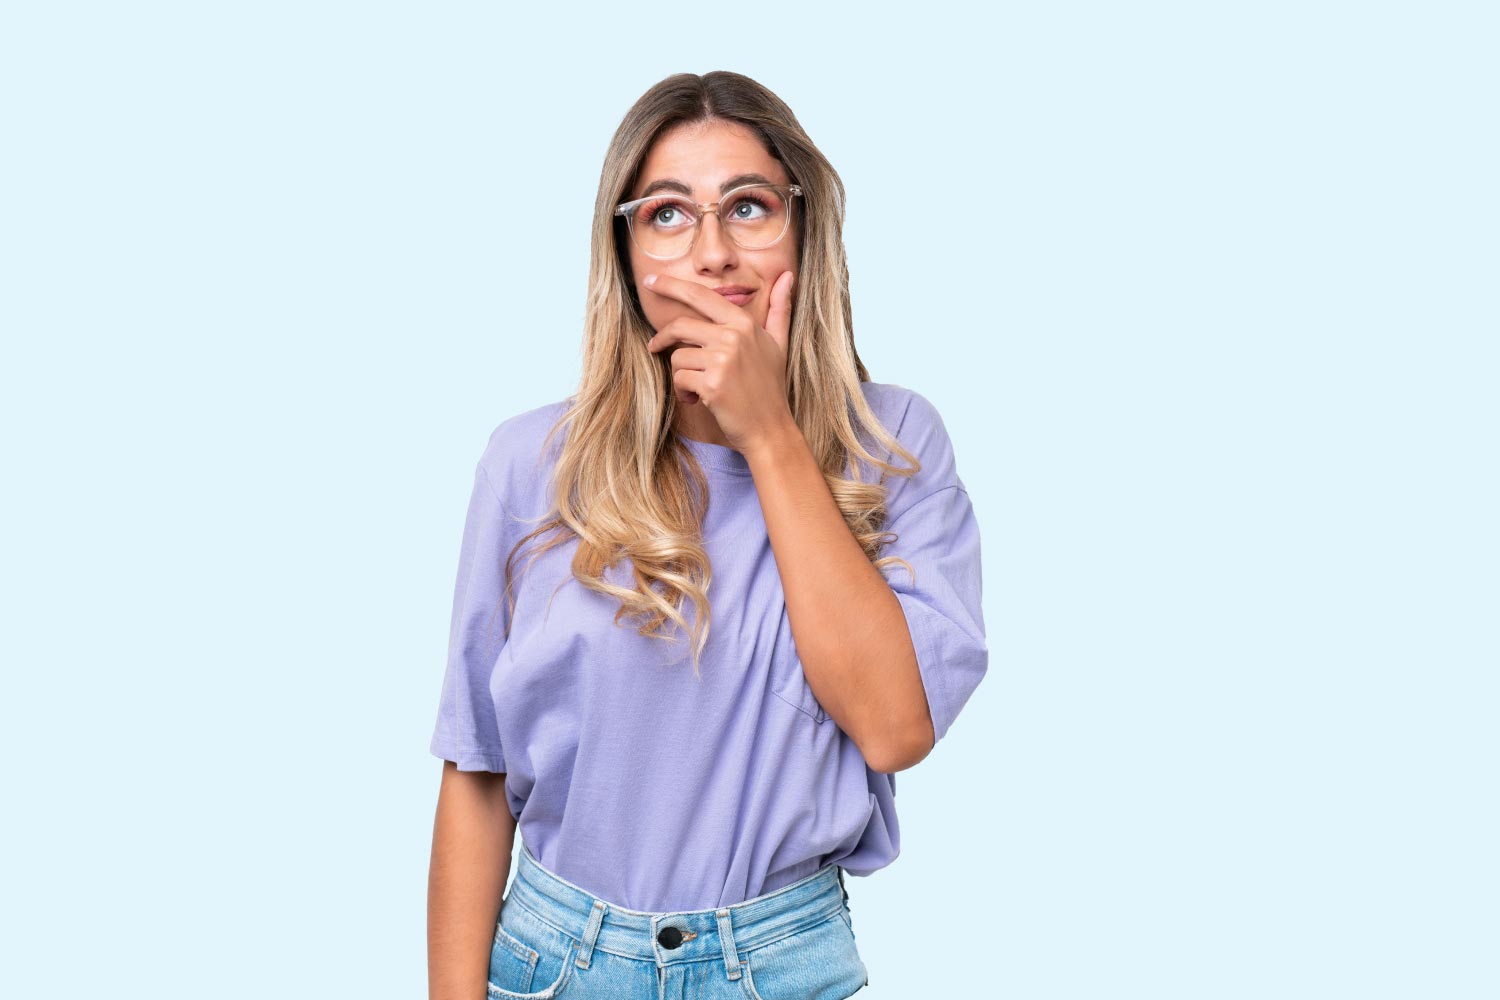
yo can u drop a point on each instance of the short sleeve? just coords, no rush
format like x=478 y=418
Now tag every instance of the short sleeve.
x=466 y=731
x=938 y=535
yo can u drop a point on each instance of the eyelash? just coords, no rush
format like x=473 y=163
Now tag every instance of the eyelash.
x=650 y=209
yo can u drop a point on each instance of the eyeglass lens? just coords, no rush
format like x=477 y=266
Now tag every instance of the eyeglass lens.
x=754 y=218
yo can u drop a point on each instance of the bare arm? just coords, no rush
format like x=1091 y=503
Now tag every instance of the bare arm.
x=850 y=629
x=472 y=838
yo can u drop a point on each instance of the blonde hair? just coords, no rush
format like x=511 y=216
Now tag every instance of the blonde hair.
x=624 y=484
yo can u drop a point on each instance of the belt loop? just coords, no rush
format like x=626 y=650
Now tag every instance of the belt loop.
x=726 y=940
x=590 y=935
x=841 y=885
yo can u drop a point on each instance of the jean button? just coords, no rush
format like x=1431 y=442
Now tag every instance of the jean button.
x=670 y=937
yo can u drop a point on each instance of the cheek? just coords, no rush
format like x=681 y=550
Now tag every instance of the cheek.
x=771 y=275
x=657 y=315
x=660 y=310
x=785 y=261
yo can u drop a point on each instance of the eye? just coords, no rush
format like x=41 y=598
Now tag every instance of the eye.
x=749 y=207
x=665 y=213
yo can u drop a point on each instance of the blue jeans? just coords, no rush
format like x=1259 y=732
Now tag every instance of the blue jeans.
x=555 y=940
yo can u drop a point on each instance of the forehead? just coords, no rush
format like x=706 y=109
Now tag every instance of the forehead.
x=704 y=154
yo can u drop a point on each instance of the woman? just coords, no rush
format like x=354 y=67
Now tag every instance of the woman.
x=689 y=796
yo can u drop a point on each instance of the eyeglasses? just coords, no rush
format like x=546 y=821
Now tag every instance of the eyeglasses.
x=665 y=226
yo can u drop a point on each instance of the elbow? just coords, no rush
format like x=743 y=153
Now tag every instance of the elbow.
x=899 y=755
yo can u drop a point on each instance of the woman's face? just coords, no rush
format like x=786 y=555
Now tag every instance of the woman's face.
x=703 y=155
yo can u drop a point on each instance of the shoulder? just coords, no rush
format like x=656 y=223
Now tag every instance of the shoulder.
x=902 y=410
x=914 y=420
x=518 y=456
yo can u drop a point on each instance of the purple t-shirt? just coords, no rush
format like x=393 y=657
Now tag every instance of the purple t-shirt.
x=650 y=787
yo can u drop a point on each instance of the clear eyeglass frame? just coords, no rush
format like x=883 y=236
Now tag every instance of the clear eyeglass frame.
x=788 y=191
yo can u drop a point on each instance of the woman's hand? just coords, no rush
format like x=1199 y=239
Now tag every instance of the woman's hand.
x=733 y=367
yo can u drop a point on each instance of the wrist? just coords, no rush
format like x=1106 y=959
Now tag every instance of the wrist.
x=777 y=445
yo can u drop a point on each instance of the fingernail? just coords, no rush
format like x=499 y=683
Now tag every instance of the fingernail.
x=650 y=280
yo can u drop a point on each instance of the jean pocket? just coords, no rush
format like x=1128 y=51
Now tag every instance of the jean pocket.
x=528 y=951
x=820 y=961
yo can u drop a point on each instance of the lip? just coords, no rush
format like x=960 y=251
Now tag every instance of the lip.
x=738 y=294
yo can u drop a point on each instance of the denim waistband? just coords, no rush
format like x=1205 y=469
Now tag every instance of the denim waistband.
x=717 y=933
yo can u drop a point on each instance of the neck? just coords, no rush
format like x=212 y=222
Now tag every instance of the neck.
x=695 y=421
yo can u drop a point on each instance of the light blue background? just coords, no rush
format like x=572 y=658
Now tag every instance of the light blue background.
x=1207 y=296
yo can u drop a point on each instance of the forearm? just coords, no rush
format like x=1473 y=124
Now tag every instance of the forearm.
x=473 y=835
x=850 y=630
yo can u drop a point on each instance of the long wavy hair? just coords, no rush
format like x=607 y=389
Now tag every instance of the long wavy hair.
x=624 y=484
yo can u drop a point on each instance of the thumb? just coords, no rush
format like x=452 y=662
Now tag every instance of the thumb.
x=779 y=316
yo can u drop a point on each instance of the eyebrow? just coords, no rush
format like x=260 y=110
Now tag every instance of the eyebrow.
x=672 y=184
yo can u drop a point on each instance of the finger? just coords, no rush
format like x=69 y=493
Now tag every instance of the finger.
x=684 y=330
x=707 y=301
x=690 y=358
x=779 y=316
x=688 y=381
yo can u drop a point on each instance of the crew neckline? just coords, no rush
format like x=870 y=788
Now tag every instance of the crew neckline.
x=718 y=456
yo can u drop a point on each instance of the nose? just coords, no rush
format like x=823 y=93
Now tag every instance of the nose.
x=713 y=248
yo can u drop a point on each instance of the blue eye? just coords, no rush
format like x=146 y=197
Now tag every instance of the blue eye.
x=751 y=202
x=664 y=213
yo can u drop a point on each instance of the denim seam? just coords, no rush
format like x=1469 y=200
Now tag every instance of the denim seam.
x=799 y=929
x=516 y=946
x=541 y=919
x=747 y=979
x=816 y=921
x=552 y=990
